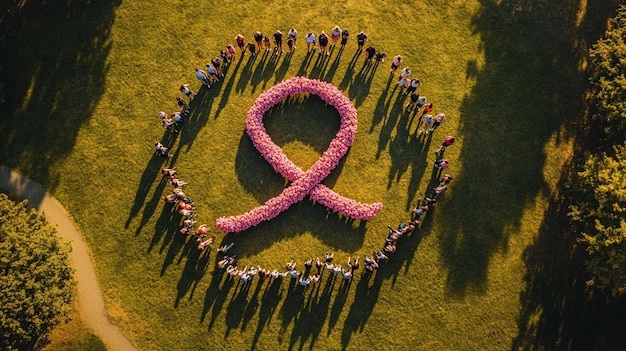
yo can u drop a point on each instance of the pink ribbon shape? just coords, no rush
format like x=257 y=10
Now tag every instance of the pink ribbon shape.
x=303 y=183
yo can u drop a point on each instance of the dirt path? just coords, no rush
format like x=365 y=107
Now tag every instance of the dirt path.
x=90 y=300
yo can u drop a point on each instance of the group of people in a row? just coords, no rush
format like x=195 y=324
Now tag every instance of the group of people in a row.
x=186 y=209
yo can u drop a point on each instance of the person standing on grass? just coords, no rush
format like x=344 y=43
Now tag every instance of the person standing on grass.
x=293 y=35
x=405 y=73
x=181 y=104
x=404 y=84
x=449 y=140
x=212 y=73
x=323 y=40
x=290 y=45
x=217 y=63
x=442 y=164
x=252 y=49
x=428 y=123
x=187 y=91
x=258 y=38
x=428 y=108
x=241 y=43
x=447 y=179
x=268 y=43
x=422 y=101
x=345 y=34
x=413 y=101
x=231 y=53
x=202 y=77
x=361 y=38
x=415 y=83
x=335 y=34
x=418 y=212
x=278 y=40
x=370 y=52
x=310 y=41
x=395 y=63
x=225 y=57
x=380 y=57
x=438 y=120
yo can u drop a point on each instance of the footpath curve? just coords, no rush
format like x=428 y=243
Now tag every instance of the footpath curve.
x=90 y=299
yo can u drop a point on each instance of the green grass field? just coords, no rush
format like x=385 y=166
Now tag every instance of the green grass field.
x=84 y=84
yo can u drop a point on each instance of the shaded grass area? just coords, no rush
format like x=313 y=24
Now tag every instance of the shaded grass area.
x=509 y=77
x=559 y=310
x=504 y=130
x=54 y=68
x=74 y=335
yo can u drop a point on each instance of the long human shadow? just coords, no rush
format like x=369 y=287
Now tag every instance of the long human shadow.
x=257 y=75
x=368 y=288
x=391 y=119
x=194 y=270
x=347 y=78
x=332 y=70
x=246 y=72
x=44 y=106
x=308 y=58
x=360 y=87
x=228 y=86
x=319 y=67
x=150 y=174
x=269 y=301
x=382 y=105
x=279 y=74
x=198 y=117
x=407 y=149
x=505 y=136
x=311 y=317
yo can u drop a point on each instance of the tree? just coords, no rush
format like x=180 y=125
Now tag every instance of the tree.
x=599 y=190
x=36 y=280
x=608 y=69
x=601 y=210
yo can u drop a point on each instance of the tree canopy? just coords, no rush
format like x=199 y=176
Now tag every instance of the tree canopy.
x=36 y=280
x=599 y=189
x=608 y=69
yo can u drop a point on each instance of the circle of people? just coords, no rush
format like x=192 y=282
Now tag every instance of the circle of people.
x=216 y=70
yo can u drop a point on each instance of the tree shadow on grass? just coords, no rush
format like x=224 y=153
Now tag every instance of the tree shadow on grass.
x=51 y=88
x=525 y=94
x=559 y=311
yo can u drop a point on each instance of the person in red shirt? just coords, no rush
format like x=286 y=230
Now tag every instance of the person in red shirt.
x=449 y=140
x=240 y=41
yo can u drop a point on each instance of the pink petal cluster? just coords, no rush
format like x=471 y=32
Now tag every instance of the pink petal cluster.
x=308 y=182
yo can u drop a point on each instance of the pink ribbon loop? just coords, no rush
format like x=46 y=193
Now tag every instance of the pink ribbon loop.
x=303 y=183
